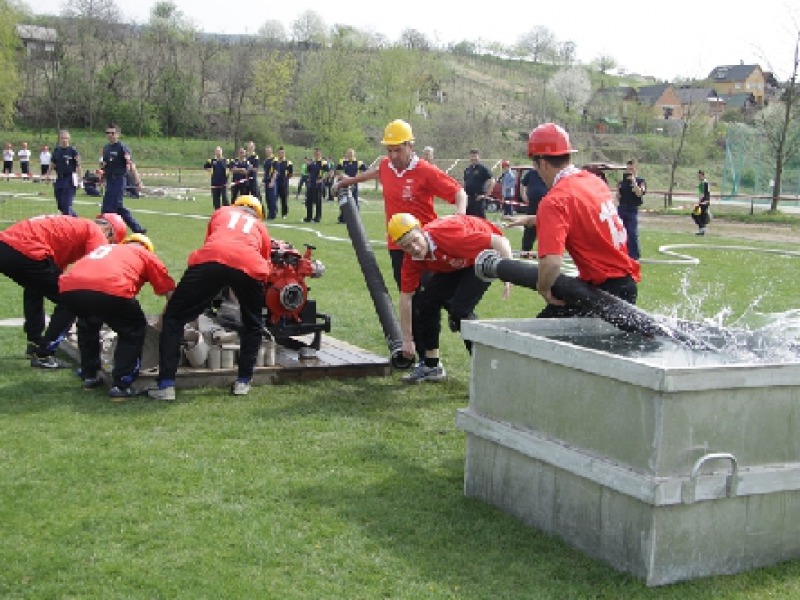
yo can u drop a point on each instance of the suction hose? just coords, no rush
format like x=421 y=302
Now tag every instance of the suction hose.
x=374 y=279
x=625 y=316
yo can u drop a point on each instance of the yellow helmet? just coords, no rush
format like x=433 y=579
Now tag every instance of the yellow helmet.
x=141 y=239
x=397 y=132
x=250 y=202
x=400 y=224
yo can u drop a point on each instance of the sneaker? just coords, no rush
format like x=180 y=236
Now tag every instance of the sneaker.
x=91 y=383
x=120 y=394
x=701 y=232
x=31 y=349
x=167 y=394
x=46 y=362
x=422 y=373
x=240 y=388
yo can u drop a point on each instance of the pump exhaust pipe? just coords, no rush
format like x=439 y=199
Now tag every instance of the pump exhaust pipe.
x=374 y=279
x=490 y=265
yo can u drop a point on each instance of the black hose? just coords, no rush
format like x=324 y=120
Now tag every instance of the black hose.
x=587 y=298
x=374 y=279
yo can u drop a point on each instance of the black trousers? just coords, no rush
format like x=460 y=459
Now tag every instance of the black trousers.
x=475 y=206
x=219 y=196
x=282 y=189
x=621 y=287
x=459 y=292
x=124 y=316
x=314 y=202
x=195 y=292
x=39 y=280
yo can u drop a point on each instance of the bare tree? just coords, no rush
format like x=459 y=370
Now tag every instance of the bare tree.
x=273 y=31
x=309 y=30
x=694 y=121
x=414 y=40
x=539 y=43
x=605 y=63
x=780 y=128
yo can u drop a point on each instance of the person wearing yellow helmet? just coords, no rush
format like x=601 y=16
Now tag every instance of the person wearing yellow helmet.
x=409 y=184
x=102 y=288
x=34 y=252
x=444 y=251
x=252 y=203
x=235 y=255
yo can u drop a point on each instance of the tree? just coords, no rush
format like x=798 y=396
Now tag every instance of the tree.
x=780 y=127
x=694 y=124
x=566 y=53
x=309 y=30
x=412 y=39
x=572 y=85
x=324 y=104
x=605 y=63
x=273 y=31
x=538 y=44
x=10 y=81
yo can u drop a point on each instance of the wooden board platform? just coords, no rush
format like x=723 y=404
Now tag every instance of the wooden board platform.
x=335 y=358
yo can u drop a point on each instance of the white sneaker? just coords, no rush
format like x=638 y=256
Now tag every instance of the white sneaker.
x=422 y=373
x=240 y=388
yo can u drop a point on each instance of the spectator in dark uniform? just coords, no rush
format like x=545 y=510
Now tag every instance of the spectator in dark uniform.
x=532 y=189
x=303 y=177
x=91 y=183
x=317 y=169
x=349 y=166
x=630 y=192
x=66 y=162
x=240 y=170
x=270 y=193
x=478 y=181
x=219 y=178
x=282 y=172
x=255 y=163
x=116 y=162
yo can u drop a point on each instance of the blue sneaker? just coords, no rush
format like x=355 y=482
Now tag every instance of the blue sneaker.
x=422 y=373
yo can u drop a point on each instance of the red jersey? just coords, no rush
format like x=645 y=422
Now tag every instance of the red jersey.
x=412 y=191
x=237 y=239
x=118 y=270
x=454 y=242
x=63 y=238
x=578 y=215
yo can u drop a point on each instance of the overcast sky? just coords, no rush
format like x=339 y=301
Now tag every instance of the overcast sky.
x=684 y=38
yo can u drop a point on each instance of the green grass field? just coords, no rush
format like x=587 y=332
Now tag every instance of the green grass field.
x=326 y=489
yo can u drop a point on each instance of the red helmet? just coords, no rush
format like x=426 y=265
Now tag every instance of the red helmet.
x=549 y=139
x=117 y=225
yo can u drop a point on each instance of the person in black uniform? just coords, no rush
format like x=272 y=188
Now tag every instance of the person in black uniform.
x=630 y=192
x=219 y=178
x=700 y=214
x=478 y=181
x=269 y=186
x=66 y=162
x=533 y=189
x=116 y=162
x=240 y=170
x=349 y=166
x=317 y=169
x=282 y=172
x=255 y=163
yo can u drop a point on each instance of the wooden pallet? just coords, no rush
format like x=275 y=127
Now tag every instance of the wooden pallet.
x=335 y=358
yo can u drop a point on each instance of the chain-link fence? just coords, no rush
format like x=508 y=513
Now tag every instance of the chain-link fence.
x=749 y=170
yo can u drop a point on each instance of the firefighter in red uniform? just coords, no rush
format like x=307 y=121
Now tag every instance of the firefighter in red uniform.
x=577 y=215
x=446 y=248
x=34 y=253
x=409 y=184
x=101 y=288
x=235 y=254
